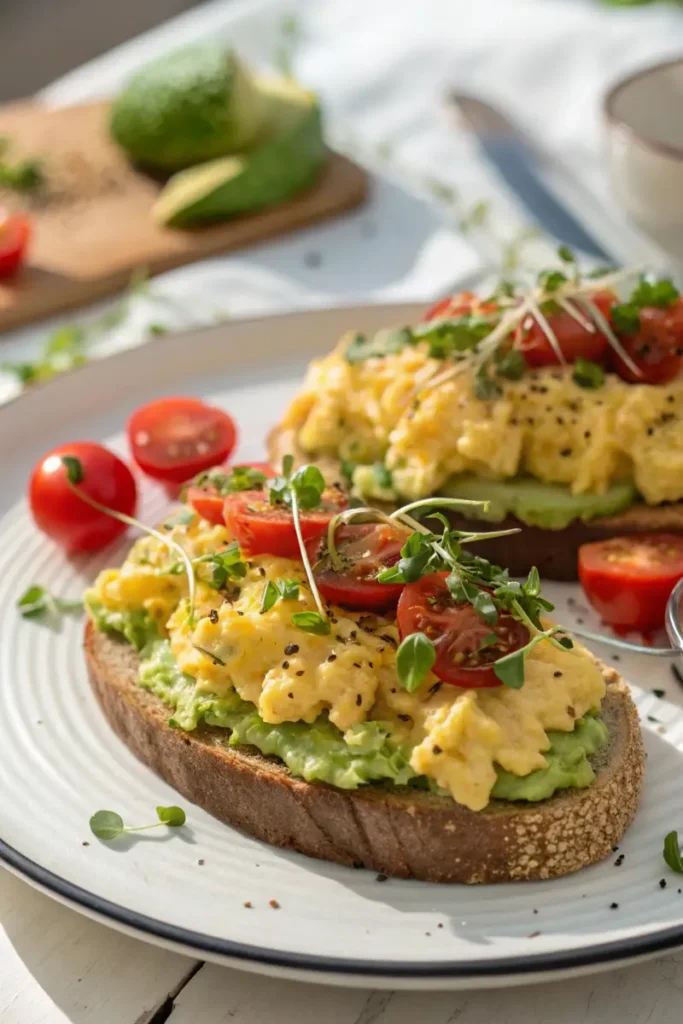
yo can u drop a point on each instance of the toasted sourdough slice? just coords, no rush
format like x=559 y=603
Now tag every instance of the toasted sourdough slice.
x=553 y=552
x=410 y=833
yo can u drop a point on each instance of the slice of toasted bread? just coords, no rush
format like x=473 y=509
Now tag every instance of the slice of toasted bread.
x=410 y=834
x=555 y=553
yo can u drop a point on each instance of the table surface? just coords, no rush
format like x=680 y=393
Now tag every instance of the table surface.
x=57 y=966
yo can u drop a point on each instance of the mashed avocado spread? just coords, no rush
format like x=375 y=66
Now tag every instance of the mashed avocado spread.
x=320 y=751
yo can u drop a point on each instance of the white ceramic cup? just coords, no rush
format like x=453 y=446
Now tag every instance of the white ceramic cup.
x=644 y=142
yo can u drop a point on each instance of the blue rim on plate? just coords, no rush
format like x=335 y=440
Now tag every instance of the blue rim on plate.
x=662 y=941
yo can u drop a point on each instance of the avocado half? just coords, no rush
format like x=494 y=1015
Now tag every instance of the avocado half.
x=286 y=160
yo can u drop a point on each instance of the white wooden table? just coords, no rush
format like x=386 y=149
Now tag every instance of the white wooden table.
x=57 y=966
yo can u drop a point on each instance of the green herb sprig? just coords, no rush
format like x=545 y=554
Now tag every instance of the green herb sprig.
x=240 y=478
x=38 y=603
x=276 y=590
x=108 y=825
x=661 y=294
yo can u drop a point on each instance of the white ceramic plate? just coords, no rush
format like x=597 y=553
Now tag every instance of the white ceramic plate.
x=59 y=762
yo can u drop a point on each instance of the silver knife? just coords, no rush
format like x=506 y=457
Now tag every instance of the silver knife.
x=516 y=160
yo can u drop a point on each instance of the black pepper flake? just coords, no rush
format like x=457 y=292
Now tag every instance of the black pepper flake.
x=434 y=689
x=615 y=849
x=291 y=696
x=240 y=613
x=85 y=843
x=662 y=883
x=440 y=925
x=535 y=911
x=614 y=906
x=670 y=399
x=616 y=657
x=620 y=860
x=285 y=664
x=436 y=749
x=381 y=650
x=370 y=664
x=565 y=452
x=560 y=421
x=533 y=935
x=530 y=420
x=359 y=699
x=292 y=649
x=587 y=434
x=332 y=657
x=650 y=431
x=356 y=664
x=261 y=571
x=201 y=863
x=659 y=693
x=358 y=864
x=300 y=672
x=388 y=639
x=248 y=904
x=557 y=673
x=213 y=616
x=404 y=718
x=381 y=878
x=393 y=689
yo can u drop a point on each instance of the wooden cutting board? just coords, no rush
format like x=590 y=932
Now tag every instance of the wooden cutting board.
x=92 y=224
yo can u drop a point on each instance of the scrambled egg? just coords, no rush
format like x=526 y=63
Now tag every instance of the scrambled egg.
x=544 y=424
x=457 y=736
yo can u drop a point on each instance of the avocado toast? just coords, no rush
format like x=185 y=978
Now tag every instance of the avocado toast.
x=361 y=689
x=561 y=405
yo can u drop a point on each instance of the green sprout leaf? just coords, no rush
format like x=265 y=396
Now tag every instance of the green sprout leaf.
x=587 y=374
x=672 y=853
x=512 y=365
x=382 y=475
x=485 y=387
x=74 y=469
x=311 y=622
x=38 y=603
x=270 y=596
x=566 y=254
x=240 y=478
x=225 y=565
x=414 y=659
x=172 y=816
x=551 y=280
x=287 y=590
x=107 y=825
x=625 y=317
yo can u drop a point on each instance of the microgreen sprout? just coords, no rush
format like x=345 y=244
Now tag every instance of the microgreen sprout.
x=75 y=477
x=108 y=825
x=38 y=603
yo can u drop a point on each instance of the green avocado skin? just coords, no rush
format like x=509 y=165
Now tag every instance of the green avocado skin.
x=187 y=107
x=287 y=159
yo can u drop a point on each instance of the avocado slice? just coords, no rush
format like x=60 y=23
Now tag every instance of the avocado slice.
x=548 y=506
x=287 y=159
x=189 y=106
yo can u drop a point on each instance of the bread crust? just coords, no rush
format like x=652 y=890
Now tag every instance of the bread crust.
x=555 y=553
x=408 y=834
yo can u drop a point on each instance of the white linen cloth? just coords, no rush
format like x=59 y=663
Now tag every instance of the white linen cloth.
x=383 y=68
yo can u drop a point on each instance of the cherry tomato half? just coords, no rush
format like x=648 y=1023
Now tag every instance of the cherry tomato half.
x=173 y=439
x=656 y=347
x=458 y=305
x=574 y=340
x=628 y=580
x=365 y=549
x=457 y=632
x=208 y=501
x=265 y=529
x=15 y=231
x=65 y=517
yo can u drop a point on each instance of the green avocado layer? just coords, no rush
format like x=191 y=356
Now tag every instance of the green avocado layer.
x=320 y=752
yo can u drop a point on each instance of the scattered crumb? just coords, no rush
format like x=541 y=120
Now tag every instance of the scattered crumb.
x=535 y=911
x=533 y=935
x=620 y=860
x=651 y=718
x=85 y=843
x=357 y=864
x=428 y=935
x=615 y=657
x=248 y=904
x=274 y=904
x=39 y=722
x=201 y=863
x=662 y=883
x=381 y=878
x=659 y=693
x=440 y=925
x=614 y=906
x=614 y=849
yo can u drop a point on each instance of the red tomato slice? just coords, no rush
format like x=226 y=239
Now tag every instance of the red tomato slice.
x=208 y=501
x=15 y=231
x=65 y=517
x=628 y=580
x=365 y=549
x=656 y=347
x=264 y=529
x=457 y=632
x=458 y=305
x=173 y=439
x=574 y=340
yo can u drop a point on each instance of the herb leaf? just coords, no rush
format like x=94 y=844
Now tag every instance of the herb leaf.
x=106 y=825
x=587 y=374
x=382 y=475
x=172 y=816
x=485 y=387
x=672 y=853
x=311 y=622
x=37 y=602
x=512 y=365
x=288 y=590
x=414 y=659
x=225 y=565
x=240 y=478
x=270 y=596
